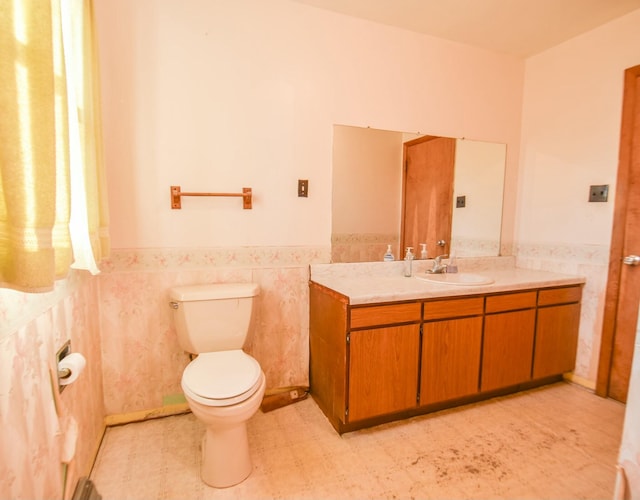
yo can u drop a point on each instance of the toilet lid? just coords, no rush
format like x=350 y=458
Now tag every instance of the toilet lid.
x=223 y=375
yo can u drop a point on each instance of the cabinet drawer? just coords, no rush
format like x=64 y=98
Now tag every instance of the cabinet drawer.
x=510 y=302
x=441 y=309
x=559 y=295
x=385 y=315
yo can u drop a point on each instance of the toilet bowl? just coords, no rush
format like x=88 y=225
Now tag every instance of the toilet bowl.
x=226 y=459
x=223 y=385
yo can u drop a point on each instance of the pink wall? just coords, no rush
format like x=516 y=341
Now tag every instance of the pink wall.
x=33 y=430
x=145 y=361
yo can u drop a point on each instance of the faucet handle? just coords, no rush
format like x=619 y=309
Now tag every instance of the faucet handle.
x=440 y=257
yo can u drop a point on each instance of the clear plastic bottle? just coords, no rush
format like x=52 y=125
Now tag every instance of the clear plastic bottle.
x=452 y=266
x=423 y=252
x=388 y=257
x=408 y=261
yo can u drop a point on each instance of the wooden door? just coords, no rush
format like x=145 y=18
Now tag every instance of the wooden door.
x=428 y=194
x=450 y=359
x=383 y=370
x=623 y=285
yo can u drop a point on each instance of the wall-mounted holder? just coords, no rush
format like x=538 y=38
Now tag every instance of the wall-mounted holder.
x=176 y=195
x=70 y=365
x=62 y=353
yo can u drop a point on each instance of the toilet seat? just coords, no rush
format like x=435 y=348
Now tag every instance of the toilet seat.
x=221 y=378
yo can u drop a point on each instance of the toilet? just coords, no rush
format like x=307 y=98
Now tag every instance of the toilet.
x=223 y=385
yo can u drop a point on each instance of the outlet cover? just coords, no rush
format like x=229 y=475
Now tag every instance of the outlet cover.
x=461 y=201
x=599 y=193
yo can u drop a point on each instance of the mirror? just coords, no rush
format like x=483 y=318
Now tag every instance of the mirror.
x=367 y=194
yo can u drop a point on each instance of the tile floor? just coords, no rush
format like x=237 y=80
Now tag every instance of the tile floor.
x=559 y=441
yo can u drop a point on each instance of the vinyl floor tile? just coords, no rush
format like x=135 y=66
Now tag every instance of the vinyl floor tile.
x=554 y=442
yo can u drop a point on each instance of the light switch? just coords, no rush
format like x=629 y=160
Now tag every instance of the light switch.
x=303 y=188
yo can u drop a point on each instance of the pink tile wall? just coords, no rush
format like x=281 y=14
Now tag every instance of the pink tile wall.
x=144 y=362
x=33 y=427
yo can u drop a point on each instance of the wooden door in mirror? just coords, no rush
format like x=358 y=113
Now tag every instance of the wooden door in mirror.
x=427 y=200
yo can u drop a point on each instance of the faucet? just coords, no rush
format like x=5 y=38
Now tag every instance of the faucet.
x=438 y=266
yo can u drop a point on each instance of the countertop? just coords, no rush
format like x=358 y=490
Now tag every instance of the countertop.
x=370 y=283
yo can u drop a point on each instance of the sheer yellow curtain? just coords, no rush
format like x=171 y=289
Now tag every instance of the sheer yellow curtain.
x=53 y=211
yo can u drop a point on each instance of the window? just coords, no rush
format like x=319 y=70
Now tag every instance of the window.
x=53 y=212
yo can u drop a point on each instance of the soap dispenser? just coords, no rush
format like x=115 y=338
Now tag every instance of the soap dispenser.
x=408 y=259
x=388 y=257
x=423 y=252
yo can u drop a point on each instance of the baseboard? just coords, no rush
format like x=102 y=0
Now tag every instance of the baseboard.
x=139 y=416
x=96 y=449
x=589 y=384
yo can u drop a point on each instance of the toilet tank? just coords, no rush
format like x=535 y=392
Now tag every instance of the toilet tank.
x=213 y=317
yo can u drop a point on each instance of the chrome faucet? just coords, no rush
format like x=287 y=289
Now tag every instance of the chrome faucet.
x=438 y=266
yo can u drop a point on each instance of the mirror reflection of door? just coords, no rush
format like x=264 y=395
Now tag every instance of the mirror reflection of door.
x=366 y=204
x=428 y=194
x=623 y=286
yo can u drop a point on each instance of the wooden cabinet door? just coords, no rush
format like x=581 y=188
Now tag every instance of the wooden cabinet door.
x=556 y=340
x=383 y=370
x=507 y=351
x=450 y=359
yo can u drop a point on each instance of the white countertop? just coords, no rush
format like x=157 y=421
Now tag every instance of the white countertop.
x=370 y=283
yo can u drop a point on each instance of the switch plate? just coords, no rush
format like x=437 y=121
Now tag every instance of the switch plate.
x=599 y=193
x=461 y=201
x=303 y=188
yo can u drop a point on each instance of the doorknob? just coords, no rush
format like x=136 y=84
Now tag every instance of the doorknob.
x=631 y=260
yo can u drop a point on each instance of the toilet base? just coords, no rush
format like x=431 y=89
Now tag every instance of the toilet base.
x=226 y=460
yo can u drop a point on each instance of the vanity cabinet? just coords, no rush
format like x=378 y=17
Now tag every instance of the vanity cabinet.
x=374 y=363
x=451 y=345
x=383 y=370
x=557 y=331
x=383 y=359
x=509 y=329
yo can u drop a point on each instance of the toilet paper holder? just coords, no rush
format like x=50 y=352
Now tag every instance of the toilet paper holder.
x=70 y=366
x=63 y=373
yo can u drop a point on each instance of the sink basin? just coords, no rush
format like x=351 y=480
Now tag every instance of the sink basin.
x=461 y=279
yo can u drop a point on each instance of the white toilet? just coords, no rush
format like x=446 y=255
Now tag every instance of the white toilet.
x=224 y=386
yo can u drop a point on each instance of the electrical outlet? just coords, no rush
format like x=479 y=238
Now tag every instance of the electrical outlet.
x=599 y=193
x=461 y=201
x=303 y=188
